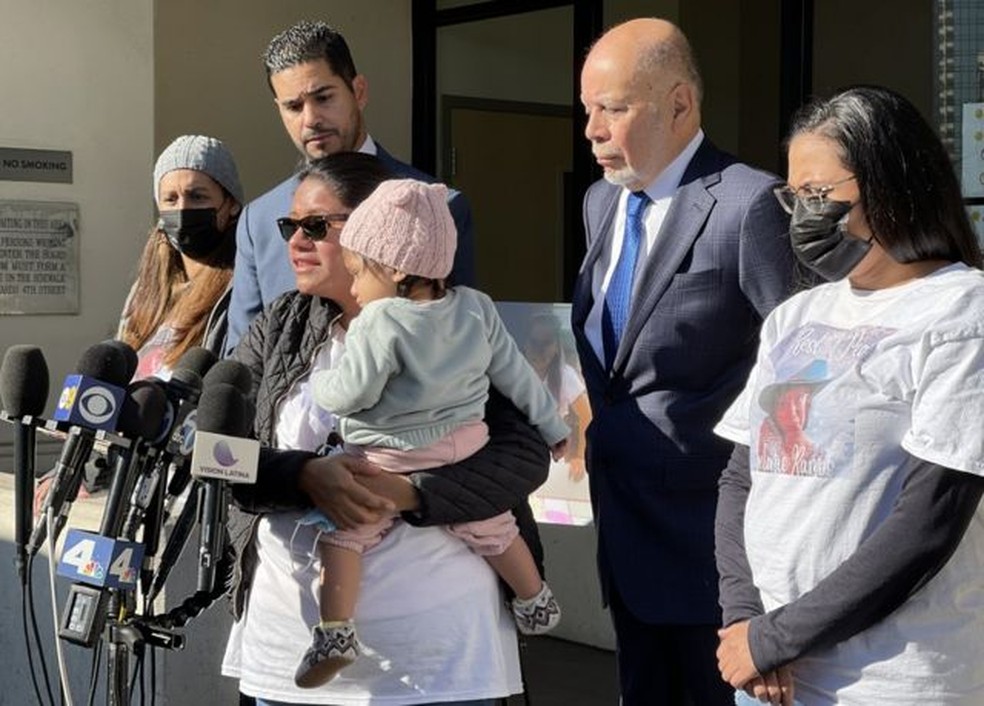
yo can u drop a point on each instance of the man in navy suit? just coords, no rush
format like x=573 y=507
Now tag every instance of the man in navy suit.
x=320 y=98
x=687 y=251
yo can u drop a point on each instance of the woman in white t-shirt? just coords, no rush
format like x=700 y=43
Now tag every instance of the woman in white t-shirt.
x=849 y=538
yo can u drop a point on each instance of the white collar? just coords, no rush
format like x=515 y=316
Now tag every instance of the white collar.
x=665 y=185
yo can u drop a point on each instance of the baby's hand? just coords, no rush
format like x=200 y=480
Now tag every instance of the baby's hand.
x=558 y=450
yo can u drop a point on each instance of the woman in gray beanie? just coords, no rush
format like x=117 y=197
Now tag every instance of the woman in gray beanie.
x=181 y=293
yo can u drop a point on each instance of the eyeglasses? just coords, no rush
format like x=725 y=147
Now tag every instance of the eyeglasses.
x=812 y=197
x=314 y=228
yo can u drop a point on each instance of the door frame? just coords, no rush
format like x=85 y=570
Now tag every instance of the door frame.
x=572 y=229
x=796 y=82
x=426 y=19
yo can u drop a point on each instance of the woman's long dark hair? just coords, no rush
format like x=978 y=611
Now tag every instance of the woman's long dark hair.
x=909 y=190
x=163 y=292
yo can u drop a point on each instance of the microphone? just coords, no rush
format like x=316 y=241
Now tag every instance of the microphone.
x=172 y=550
x=130 y=358
x=176 y=434
x=197 y=362
x=143 y=411
x=91 y=399
x=220 y=454
x=239 y=376
x=231 y=372
x=149 y=503
x=197 y=359
x=23 y=394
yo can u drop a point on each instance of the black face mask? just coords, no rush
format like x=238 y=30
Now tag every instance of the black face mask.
x=192 y=231
x=821 y=241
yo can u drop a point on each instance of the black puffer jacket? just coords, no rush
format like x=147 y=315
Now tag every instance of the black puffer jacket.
x=279 y=349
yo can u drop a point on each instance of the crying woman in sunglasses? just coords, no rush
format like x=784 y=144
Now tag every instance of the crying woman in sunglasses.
x=181 y=293
x=410 y=389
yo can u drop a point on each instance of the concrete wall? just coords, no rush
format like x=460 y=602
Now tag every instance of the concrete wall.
x=79 y=77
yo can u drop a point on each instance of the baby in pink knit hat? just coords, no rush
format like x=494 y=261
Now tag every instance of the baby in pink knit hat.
x=410 y=393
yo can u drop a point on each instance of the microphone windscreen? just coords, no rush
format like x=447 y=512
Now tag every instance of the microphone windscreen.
x=144 y=408
x=105 y=362
x=189 y=379
x=24 y=381
x=222 y=409
x=230 y=372
x=198 y=360
x=130 y=359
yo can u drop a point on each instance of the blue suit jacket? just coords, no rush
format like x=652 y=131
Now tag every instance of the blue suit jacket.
x=720 y=263
x=262 y=271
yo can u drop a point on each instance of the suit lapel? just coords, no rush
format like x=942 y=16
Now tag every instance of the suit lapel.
x=601 y=203
x=683 y=223
x=600 y=213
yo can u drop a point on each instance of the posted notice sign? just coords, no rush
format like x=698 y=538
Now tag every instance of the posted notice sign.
x=39 y=257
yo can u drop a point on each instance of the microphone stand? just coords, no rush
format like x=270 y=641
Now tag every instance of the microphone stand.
x=125 y=636
x=25 y=437
x=129 y=633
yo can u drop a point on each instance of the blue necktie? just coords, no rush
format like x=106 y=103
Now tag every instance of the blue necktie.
x=618 y=298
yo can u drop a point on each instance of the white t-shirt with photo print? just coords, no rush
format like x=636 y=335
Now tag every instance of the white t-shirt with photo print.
x=848 y=387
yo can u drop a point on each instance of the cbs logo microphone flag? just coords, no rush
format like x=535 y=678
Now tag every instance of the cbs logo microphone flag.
x=227 y=458
x=87 y=402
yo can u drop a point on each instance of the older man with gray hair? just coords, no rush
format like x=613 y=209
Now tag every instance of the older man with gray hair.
x=687 y=252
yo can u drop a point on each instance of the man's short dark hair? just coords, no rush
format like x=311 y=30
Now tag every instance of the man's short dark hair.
x=309 y=41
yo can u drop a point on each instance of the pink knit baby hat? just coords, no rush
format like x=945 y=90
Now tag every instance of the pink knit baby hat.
x=404 y=224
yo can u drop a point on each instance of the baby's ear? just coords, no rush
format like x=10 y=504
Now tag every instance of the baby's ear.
x=398 y=276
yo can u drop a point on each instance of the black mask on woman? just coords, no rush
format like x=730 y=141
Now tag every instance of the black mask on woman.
x=821 y=241
x=192 y=231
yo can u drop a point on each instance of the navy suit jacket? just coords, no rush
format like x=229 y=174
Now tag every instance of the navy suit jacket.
x=262 y=271
x=720 y=263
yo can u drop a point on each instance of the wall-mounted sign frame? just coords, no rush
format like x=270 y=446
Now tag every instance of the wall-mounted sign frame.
x=39 y=257
x=49 y=166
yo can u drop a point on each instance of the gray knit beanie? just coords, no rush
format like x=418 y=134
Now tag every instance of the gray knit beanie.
x=404 y=224
x=203 y=154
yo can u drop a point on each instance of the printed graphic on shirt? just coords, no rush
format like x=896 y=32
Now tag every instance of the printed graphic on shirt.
x=151 y=355
x=808 y=378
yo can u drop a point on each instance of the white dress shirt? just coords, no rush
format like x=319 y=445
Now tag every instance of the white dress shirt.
x=660 y=193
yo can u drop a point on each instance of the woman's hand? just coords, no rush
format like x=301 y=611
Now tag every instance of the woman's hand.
x=575 y=469
x=395 y=487
x=41 y=491
x=735 y=656
x=774 y=688
x=330 y=482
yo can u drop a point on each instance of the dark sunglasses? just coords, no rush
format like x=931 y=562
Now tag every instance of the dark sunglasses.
x=314 y=228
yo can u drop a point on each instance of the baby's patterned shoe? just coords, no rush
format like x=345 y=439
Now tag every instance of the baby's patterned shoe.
x=537 y=615
x=334 y=646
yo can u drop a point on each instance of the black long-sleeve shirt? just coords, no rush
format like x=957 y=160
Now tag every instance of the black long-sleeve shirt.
x=925 y=526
